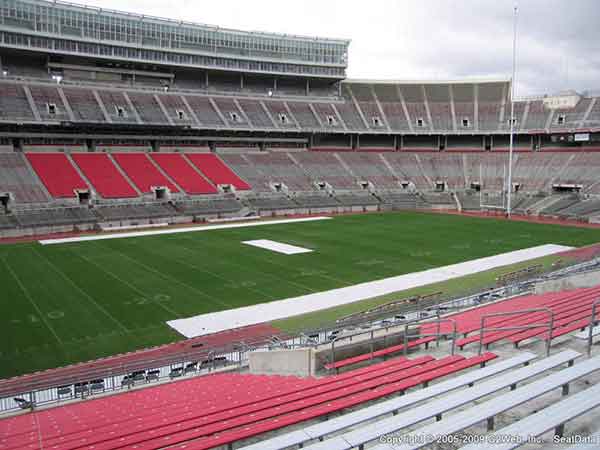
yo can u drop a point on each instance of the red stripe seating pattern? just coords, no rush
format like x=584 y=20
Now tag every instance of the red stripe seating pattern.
x=206 y=412
x=104 y=176
x=177 y=168
x=572 y=311
x=216 y=170
x=142 y=172
x=57 y=173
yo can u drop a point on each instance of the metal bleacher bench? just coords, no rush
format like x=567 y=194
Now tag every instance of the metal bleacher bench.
x=323 y=429
x=539 y=423
x=497 y=405
x=438 y=406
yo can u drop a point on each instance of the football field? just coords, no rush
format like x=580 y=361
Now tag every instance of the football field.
x=73 y=302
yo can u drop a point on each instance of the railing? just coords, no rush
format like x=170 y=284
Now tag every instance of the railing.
x=593 y=323
x=83 y=384
x=372 y=339
x=549 y=325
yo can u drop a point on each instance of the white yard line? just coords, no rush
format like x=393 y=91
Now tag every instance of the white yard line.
x=177 y=230
x=278 y=247
x=281 y=309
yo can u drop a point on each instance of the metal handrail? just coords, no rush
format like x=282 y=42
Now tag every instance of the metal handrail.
x=438 y=333
x=549 y=325
x=593 y=322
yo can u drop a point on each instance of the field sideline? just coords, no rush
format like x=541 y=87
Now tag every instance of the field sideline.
x=74 y=302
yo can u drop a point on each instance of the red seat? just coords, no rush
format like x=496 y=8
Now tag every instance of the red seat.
x=57 y=173
x=177 y=168
x=142 y=172
x=216 y=170
x=103 y=175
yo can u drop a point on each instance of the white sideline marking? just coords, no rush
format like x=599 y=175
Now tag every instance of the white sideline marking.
x=176 y=230
x=281 y=309
x=279 y=247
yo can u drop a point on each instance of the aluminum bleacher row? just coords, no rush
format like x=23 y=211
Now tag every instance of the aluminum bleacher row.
x=119 y=175
x=194 y=411
x=370 y=424
x=362 y=107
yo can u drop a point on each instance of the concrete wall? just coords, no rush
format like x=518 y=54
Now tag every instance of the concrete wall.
x=589 y=279
x=296 y=362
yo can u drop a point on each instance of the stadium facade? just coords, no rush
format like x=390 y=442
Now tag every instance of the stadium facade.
x=77 y=79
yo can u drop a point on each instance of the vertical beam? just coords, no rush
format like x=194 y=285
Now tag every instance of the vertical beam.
x=32 y=104
x=163 y=109
x=430 y=122
x=381 y=112
x=339 y=116
x=243 y=113
x=587 y=113
x=217 y=110
x=291 y=114
x=357 y=106
x=452 y=107
x=521 y=125
x=268 y=113
x=66 y=104
x=191 y=112
x=312 y=109
x=138 y=119
x=405 y=109
x=503 y=105
x=101 y=105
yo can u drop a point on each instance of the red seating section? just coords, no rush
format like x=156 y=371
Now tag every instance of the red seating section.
x=142 y=172
x=103 y=175
x=176 y=167
x=57 y=173
x=216 y=170
x=572 y=311
x=206 y=412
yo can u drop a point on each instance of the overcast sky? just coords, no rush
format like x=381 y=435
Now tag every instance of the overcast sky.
x=558 y=40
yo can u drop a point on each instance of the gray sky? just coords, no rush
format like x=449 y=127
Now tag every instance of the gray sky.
x=558 y=40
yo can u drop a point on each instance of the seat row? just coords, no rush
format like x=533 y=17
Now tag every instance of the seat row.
x=217 y=410
x=130 y=175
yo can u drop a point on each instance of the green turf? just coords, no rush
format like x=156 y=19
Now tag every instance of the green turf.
x=67 y=303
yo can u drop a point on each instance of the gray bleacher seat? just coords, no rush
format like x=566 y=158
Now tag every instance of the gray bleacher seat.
x=437 y=407
x=271 y=203
x=316 y=201
x=337 y=424
x=357 y=199
x=16 y=177
x=129 y=212
x=497 y=405
x=209 y=206
x=55 y=217
x=539 y=423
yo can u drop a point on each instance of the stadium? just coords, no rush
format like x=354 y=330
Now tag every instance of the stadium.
x=215 y=239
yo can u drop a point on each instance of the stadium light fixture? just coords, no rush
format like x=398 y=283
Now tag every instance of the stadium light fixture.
x=5 y=73
x=512 y=112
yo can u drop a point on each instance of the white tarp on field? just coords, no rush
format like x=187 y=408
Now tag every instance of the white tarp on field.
x=278 y=247
x=280 y=309
x=98 y=237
